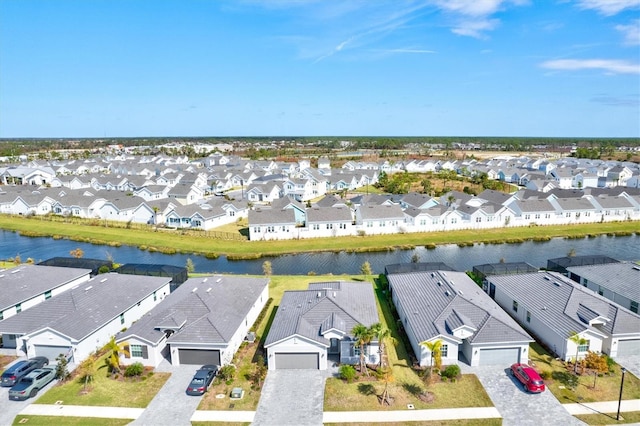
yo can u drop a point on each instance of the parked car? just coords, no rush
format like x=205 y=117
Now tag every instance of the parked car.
x=202 y=380
x=30 y=384
x=528 y=377
x=20 y=369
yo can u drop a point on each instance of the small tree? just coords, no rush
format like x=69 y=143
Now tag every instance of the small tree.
x=435 y=348
x=87 y=371
x=597 y=363
x=383 y=334
x=386 y=374
x=347 y=372
x=62 y=370
x=365 y=269
x=227 y=372
x=112 y=361
x=266 y=268
x=578 y=341
x=190 y=266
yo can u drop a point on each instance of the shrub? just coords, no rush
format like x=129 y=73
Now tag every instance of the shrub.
x=135 y=369
x=451 y=372
x=347 y=372
x=227 y=373
x=545 y=375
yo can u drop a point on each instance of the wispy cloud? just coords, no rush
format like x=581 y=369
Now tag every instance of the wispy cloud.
x=474 y=18
x=609 y=7
x=607 y=65
x=617 y=101
x=630 y=32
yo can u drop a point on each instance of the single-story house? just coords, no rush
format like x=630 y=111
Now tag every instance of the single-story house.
x=203 y=321
x=450 y=307
x=552 y=307
x=81 y=320
x=310 y=326
x=25 y=286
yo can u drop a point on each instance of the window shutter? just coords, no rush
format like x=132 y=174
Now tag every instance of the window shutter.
x=145 y=352
x=127 y=351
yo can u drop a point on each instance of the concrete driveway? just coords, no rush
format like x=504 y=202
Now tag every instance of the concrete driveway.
x=631 y=363
x=518 y=407
x=171 y=405
x=291 y=397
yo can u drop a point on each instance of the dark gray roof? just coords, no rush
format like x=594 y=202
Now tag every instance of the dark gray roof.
x=560 y=303
x=26 y=281
x=307 y=313
x=434 y=301
x=84 y=309
x=621 y=278
x=202 y=310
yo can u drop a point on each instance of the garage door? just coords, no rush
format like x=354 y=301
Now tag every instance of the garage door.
x=52 y=352
x=199 y=356
x=502 y=356
x=628 y=347
x=296 y=361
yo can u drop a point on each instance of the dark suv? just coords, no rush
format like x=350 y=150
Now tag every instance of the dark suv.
x=13 y=374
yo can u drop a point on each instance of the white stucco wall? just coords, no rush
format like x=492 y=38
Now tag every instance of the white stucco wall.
x=297 y=345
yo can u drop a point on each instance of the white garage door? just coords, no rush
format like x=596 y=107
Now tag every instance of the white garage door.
x=628 y=347
x=304 y=361
x=52 y=352
x=502 y=356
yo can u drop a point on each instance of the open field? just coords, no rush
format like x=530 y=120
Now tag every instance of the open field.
x=176 y=241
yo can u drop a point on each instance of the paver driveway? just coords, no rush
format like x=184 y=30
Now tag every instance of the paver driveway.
x=518 y=407
x=171 y=406
x=291 y=397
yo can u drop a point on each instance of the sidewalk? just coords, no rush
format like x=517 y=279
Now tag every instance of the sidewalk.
x=223 y=416
x=602 y=407
x=82 y=411
x=410 y=415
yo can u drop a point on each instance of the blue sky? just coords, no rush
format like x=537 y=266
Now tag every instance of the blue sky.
x=566 y=68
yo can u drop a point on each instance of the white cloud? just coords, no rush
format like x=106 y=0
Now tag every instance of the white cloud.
x=630 y=32
x=609 y=7
x=608 y=65
x=475 y=28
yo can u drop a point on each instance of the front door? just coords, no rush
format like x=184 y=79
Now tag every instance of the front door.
x=492 y=291
x=335 y=346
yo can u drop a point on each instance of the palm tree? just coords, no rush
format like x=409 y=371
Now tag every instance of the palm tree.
x=383 y=334
x=113 y=358
x=435 y=348
x=579 y=341
x=363 y=336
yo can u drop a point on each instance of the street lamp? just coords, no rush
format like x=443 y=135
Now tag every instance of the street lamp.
x=624 y=370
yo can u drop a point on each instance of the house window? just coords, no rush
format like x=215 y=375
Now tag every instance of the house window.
x=1 y=315
x=256 y=229
x=478 y=219
x=454 y=220
x=600 y=291
x=316 y=227
x=444 y=351
x=537 y=216
x=547 y=216
x=329 y=225
x=527 y=216
x=634 y=307
x=47 y=294
x=515 y=306
x=271 y=229
x=121 y=318
x=19 y=308
x=583 y=348
x=568 y=214
x=136 y=351
x=155 y=296
x=528 y=316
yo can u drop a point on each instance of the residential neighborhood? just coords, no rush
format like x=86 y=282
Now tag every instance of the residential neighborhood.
x=292 y=200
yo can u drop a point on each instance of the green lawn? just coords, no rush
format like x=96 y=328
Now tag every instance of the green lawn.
x=363 y=396
x=610 y=418
x=67 y=421
x=607 y=387
x=197 y=242
x=107 y=392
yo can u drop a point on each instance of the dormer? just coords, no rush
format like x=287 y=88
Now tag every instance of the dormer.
x=459 y=325
x=591 y=317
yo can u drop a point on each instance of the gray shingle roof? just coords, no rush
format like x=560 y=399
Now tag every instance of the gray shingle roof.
x=562 y=305
x=82 y=310
x=437 y=302
x=341 y=305
x=271 y=217
x=26 y=281
x=621 y=278
x=202 y=310
x=329 y=214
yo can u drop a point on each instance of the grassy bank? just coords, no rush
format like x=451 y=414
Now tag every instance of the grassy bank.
x=176 y=242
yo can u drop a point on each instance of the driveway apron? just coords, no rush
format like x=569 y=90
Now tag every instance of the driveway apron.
x=518 y=407
x=631 y=363
x=291 y=397
x=171 y=405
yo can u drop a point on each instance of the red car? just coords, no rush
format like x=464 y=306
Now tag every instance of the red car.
x=528 y=377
